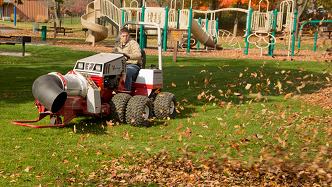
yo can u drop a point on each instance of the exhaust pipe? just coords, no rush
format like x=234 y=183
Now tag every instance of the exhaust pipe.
x=48 y=90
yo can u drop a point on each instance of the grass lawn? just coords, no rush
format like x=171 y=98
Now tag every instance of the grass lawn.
x=237 y=109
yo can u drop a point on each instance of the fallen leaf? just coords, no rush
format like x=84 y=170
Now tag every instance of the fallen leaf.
x=173 y=84
x=248 y=86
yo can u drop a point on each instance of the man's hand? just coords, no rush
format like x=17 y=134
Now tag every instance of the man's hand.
x=127 y=56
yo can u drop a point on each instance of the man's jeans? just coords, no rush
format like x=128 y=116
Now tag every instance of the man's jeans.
x=132 y=69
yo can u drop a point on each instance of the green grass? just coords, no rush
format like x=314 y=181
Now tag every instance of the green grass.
x=219 y=115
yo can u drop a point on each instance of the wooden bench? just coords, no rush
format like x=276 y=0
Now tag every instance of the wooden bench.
x=310 y=30
x=63 y=30
x=8 y=40
x=328 y=29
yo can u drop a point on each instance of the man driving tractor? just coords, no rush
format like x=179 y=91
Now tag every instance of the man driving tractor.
x=131 y=49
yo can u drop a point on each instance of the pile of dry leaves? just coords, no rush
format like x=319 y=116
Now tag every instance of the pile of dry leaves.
x=162 y=169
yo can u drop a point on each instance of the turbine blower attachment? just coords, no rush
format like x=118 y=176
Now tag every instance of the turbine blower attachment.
x=48 y=90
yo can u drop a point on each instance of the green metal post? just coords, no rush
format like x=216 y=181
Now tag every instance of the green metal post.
x=165 y=28
x=217 y=26
x=199 y=21
x=294 y=29
x=178 y=20
x=123 y=17
x=246 y=48
x=299 y=42
x=189 y=28
x=141 y=31
x=274 y=26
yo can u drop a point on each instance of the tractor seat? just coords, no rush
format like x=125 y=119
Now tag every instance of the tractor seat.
x=142 y=66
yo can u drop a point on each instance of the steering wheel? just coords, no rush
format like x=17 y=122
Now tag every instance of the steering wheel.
x=125 y=55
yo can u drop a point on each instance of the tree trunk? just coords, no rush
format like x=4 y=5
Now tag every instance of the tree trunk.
x=212 y=5
x=299 y=6
x=57 y=13
x=140 y=3
x=236 y=22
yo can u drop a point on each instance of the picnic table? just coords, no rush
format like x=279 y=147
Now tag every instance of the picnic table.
x=8 y=40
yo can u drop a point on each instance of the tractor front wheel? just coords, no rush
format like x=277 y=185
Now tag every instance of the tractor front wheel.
x=55 y=120
x=139 y=111
x=118 y=107
x=165 y=105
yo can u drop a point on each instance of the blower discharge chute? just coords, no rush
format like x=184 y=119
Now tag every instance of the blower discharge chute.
x=96 y=87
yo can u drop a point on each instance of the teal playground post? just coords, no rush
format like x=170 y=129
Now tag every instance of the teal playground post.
x=217 y=25
x=315 y=44
x=199 y=21
x=178 y=20
x=142 y=37
x=165 y=28
x=246 y=48
x=189 y=28
x=274 y=26
x=294 y=30
x=123 y=17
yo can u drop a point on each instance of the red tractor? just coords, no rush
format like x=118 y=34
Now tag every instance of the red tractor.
x=95 y=87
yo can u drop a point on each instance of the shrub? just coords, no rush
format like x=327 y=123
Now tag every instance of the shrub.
x=17 y=17
x=41 y=19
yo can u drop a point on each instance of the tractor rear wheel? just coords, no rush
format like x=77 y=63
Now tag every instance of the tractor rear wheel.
x=139 y=111
x=118 y=107
x=55 y=120
x=165 y=105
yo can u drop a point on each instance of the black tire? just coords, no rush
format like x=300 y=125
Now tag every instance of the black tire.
x=139 y=111
x=152 y=98
x=118 y=107
x=165 y=105
x=55 y=120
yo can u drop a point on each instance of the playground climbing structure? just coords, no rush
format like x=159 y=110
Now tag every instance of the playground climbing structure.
x=260 y=24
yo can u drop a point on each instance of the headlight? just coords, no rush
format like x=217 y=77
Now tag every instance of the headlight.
x=80 y=65
x=98 y=67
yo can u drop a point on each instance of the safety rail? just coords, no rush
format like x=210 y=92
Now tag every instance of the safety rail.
x=286 y=10
x=111 y=11
x=184 y=19
x=172 y=18
x=261 y=21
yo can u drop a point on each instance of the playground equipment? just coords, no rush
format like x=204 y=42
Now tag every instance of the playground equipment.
x=164 y=17
x=95 y=87
x=88 y=20
x=265 y=24
x=314 y=22
x=259 y=24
